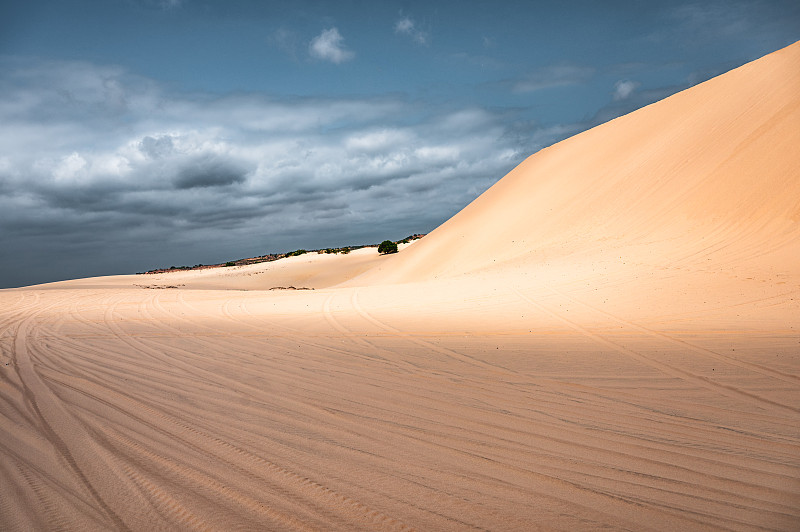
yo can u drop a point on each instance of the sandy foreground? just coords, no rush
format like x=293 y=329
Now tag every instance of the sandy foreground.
x=609 y=337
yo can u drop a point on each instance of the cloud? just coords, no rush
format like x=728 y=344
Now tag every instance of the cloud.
x=91 y=186
x=406 y=26
x=209 y=171
x=624 y=88
x=156 y=148
x=329 y=46
x=69 y=167
x=552 y=76
x=377 y=140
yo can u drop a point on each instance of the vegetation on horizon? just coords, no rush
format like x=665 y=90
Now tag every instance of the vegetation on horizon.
x=385 y=247
x=296 y=253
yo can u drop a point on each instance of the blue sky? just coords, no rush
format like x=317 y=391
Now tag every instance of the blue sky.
x=144 y=133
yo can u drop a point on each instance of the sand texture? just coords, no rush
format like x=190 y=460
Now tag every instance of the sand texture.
x=607 y=338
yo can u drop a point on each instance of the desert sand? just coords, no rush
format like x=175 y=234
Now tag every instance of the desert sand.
x=607 y=338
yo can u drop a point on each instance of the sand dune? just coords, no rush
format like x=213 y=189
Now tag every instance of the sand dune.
x=607 y=338
x=708 y=171
x=312 y=270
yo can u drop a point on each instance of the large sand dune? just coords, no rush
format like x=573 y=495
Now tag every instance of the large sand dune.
x=609 y=337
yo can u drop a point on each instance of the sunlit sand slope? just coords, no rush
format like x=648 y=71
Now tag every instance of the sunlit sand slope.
x=310 y=271
x=608 y=338
x=709 y=175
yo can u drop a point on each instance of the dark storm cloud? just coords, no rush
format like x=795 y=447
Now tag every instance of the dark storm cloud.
x=209 y=171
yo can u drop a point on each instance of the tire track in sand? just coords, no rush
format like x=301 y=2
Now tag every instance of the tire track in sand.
x=455 y=355
x=236 y=458
x=758 y=368
x=298 y=337
x=728 y=391
x=87 y=460
x=401 y=364
x=356 y=510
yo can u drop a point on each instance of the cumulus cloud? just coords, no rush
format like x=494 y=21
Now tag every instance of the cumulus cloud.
x=552 y=76
x=158 y=147
x=329 y=46
x=69 y=167
x=377 y=140
x=169 y=178
x=624 y=88
x=406 y=26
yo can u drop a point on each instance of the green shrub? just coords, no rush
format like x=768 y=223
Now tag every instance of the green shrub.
x=229 y=263
x=386 y=247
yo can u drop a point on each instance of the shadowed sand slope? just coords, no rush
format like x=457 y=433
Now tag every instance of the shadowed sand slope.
x=608 y=338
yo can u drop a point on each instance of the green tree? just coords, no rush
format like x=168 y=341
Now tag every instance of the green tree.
x=386 y=247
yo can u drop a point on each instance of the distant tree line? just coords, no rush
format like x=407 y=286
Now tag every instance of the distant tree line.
x=384 y=248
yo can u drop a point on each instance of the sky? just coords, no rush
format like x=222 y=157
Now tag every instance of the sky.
x=137 y=134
